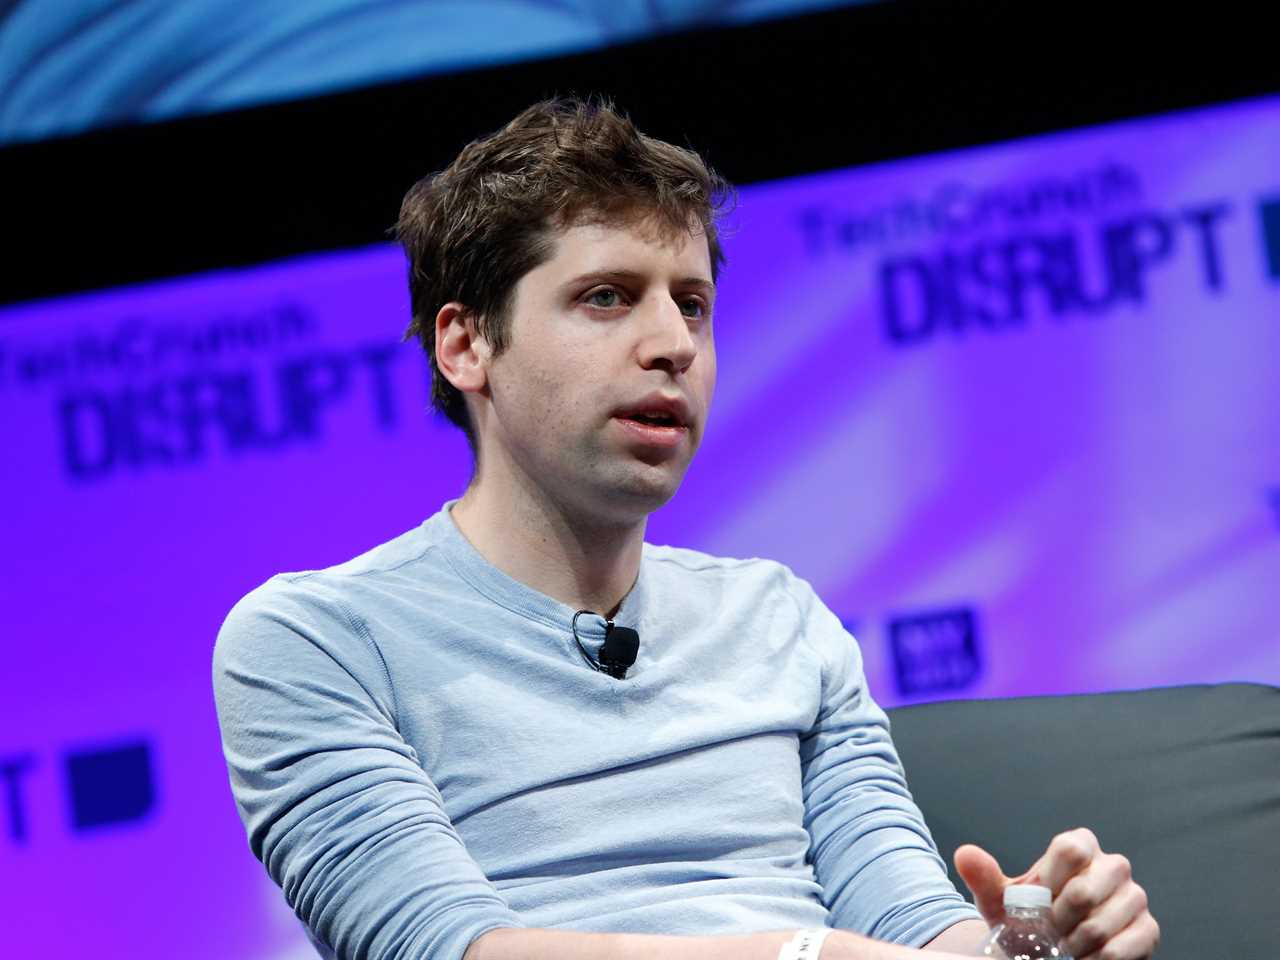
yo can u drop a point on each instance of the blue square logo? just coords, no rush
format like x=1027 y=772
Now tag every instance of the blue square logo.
x=935 y=651
x=111 y=785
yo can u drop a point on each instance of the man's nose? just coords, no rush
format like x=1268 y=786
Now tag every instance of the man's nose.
x=667 y=342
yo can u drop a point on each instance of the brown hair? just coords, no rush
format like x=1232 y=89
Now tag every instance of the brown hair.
x=471 y=231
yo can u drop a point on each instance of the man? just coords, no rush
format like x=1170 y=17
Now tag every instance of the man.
x=426 y=753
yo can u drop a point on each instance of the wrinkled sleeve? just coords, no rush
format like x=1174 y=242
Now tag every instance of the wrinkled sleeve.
x=335 y=803
x=878 y=867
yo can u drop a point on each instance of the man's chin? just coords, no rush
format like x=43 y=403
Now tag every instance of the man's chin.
x=642 y=491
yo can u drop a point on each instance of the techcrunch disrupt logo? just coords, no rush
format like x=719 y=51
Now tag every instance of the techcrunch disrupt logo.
x=954 y=210
x=996 y=284
x=935 y=650
x=159 y=393
x=182 y=420
x=989 y=258
x=140 y=346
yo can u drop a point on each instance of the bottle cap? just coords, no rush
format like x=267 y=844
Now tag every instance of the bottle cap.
x=1027 y=895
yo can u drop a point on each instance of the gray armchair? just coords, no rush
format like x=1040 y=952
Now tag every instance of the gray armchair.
x=1185 y=781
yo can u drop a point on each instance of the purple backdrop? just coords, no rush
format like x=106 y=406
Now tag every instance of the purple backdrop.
x=1012 y=410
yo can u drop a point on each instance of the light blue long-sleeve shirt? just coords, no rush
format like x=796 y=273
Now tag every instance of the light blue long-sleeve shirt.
x=420 y=753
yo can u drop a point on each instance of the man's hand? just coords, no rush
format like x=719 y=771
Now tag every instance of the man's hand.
x=1099 y=910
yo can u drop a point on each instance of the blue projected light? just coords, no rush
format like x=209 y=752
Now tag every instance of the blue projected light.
x=1008 y=410
x=72 y=66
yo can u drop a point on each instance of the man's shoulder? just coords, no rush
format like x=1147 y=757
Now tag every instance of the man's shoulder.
x=330 y=591
x=313 y=632
x=410 y=548
x=710 y=580
x=687 y=563
x=684 y=585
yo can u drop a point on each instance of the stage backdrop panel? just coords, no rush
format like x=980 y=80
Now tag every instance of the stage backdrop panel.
x=78 y=64
x=1012 y=410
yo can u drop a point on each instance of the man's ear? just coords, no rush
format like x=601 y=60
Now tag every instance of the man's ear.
x=462 y=355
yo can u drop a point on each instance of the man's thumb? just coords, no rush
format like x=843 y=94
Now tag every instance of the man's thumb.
x=982 y=874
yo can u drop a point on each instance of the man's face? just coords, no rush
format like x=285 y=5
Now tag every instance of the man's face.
x=600 y=399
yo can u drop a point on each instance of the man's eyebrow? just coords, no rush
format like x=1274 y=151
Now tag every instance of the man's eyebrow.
x=633 y=276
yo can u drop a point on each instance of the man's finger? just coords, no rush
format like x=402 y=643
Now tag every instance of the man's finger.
x=1083 y=894
x=1107 y=921
x=1068 y=854
x=1138 y=941
x=984 y=878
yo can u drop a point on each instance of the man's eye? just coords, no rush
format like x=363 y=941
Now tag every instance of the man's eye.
x=694 y=309
x=604 y=298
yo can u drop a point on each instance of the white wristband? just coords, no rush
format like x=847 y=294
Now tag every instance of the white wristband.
x=805 y=945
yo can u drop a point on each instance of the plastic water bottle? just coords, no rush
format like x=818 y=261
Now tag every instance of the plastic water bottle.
x=1027 y=932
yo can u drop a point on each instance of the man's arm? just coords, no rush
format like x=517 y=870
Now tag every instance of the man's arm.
x=561 y=945
x=336 y=804
x=964 y=938
x=879 y=869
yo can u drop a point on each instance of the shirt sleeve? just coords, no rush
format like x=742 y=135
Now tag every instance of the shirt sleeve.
x=873 y=856
x=335 y=803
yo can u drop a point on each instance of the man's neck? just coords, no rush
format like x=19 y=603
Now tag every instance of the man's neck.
x=584 y=564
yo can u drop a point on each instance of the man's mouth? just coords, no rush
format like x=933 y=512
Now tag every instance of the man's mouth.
x=659 y=411
x=654 y=429
x=655 y=419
